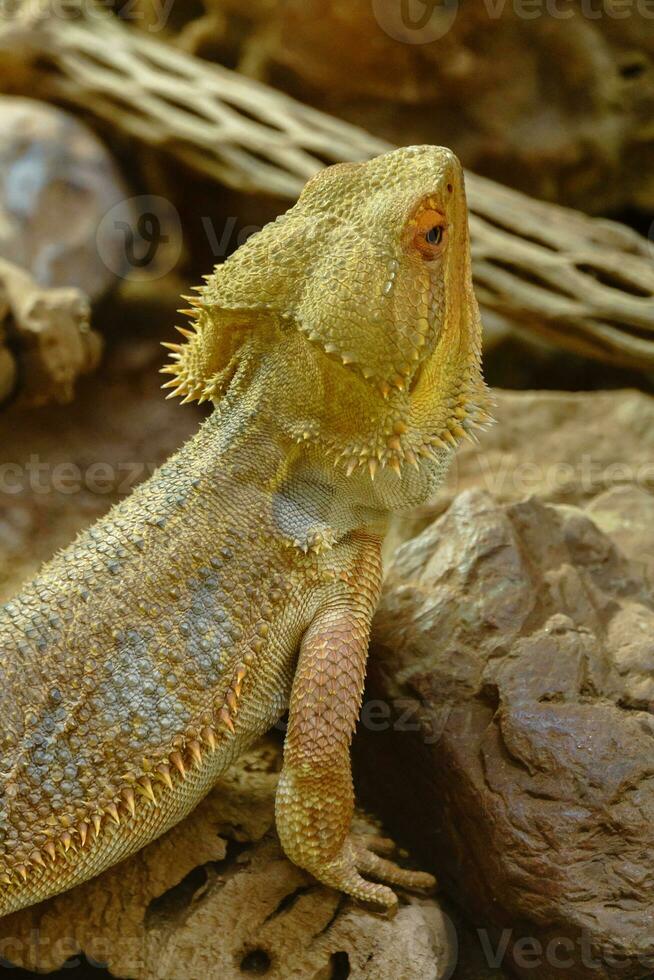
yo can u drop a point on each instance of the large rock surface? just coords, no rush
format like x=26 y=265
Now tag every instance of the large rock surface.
x=513 y=665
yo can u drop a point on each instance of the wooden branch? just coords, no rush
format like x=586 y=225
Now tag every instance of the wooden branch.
x=583 y=283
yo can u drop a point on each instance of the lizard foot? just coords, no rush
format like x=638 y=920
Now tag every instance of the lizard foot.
x=359 y=856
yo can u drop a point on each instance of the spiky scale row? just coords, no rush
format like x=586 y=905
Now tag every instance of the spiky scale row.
x=191 y=754
x=184 y=386
x=396 y=452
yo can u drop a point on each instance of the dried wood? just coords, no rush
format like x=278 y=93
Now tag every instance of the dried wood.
x=46 y=341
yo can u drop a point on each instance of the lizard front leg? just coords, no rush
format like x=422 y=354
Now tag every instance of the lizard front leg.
x=315 y=796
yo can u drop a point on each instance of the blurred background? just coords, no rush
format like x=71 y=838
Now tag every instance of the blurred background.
x=141 y=141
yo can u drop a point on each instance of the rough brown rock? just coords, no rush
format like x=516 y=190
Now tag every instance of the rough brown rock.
x=514 y=643
x=215 y=897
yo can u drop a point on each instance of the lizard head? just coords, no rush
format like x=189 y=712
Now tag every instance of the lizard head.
x=353 y=315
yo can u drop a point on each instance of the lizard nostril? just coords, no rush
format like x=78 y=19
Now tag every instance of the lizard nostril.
x=449 y=188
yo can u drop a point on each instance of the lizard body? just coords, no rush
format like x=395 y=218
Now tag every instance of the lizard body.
x=341 y=348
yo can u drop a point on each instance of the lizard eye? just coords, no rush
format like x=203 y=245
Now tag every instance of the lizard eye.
x=430 y=234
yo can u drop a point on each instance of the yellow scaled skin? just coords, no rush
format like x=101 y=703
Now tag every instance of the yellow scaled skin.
x=341 y=348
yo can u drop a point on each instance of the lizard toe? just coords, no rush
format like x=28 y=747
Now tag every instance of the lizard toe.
x=374 y=842
x=377 y=896
x=343 y=873
x=385 y=870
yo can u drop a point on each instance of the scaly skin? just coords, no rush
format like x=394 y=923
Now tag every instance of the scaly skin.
x=341 y=348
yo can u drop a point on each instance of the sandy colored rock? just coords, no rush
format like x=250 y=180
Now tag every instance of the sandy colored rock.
x=57 y=182
x=514 y=644
x=564 y=447
x=623 y=512
x=216 y=898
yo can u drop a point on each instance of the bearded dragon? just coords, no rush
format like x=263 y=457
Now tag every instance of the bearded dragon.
x=340 y=347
